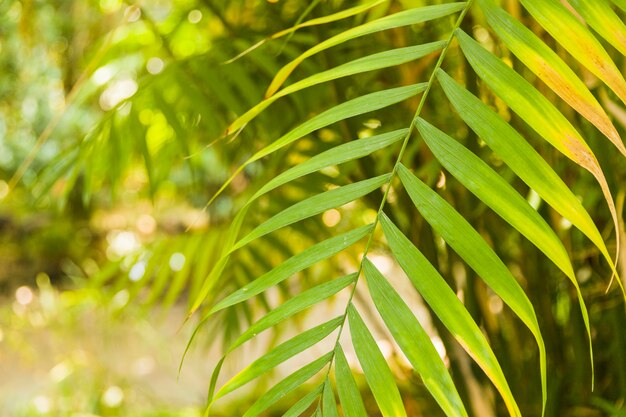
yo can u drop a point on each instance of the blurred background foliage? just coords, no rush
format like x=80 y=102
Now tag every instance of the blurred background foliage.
x=111 y=123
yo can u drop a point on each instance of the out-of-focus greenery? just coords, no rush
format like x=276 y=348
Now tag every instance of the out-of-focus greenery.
x=116 y=112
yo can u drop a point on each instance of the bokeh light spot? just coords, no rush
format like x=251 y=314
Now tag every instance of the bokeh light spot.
x=113 y=396
x=24 y=295
x=146 y=224
x=155 y=65
x=331 y=217
x=177 y=261
x=42 y=404
x=194 y=16
x=137 y=271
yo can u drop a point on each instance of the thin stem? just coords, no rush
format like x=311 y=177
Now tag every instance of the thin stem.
x=405 y=142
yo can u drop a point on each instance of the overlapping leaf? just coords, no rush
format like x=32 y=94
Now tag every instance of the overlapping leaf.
x=538 y=112
x=347 y=389
x=550 y=68
x=354 y=107
x=414 y=342
x=314 y=205
x=404 y=18
x=369 y=63
x=578 y=41
x=342 y=14
x=515 y=151
x=468 y=243
x=433 y=288
x=601 y=17
x=481 y=180
x=377 y=372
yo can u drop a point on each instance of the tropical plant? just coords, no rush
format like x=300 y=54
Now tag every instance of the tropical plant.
x=519 y=95
x=473 y=89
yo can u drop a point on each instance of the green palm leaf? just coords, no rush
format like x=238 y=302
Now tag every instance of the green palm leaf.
x=414 y=342
x=377 y=372
x=601 y=17
x=329 y=405
x=314 y=205
x=304 y=403
x=405 y=18
x=521 y=158
x=347 y=389
x=466 y=241
x=287 y=385
x=432 y=287
x=354 y=107
x=295 y=305
x=369 y=63
x=338 y=155
x=279 y=355
x=295 y=264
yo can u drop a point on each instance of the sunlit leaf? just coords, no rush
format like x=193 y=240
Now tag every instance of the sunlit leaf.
x=601 y=17
x=373 y=62
x=494 y=191
x=414 y=342
x=314 y=205
x=523 y=160
x=470 y=246
x=347 y=389
x=377 y=372
x=550 y=68
x=528 y=103
x=279 y=355
x=433 y=288
x=335 y=156
x=537 y=111
x=287 y=385
x=578 y=41
x=404 y=18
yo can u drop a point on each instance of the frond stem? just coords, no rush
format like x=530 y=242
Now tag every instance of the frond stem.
x=405 y=143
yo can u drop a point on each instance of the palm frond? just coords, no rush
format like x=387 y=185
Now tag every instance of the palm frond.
x=519 y=95
x=230 y=273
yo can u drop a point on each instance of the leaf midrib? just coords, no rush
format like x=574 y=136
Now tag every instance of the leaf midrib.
x=393 y=174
